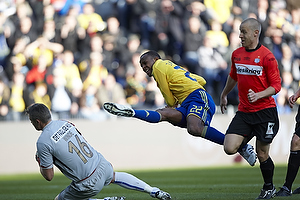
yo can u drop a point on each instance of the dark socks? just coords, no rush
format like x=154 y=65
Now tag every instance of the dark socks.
x=267 y=170
x=292 y=170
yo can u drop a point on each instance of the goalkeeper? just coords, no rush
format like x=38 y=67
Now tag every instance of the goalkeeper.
x=62 y=145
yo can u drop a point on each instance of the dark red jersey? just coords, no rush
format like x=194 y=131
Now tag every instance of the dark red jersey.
x=257 y=70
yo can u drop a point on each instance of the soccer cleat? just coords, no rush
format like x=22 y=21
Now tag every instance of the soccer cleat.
x=297 y=191
x=159 y=194
x=248 y=154
x=113 y=198
x=118 y=109
x=283 y=192
x=267 y=194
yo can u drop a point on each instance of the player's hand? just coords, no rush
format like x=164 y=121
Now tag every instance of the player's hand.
x=252 y=96
x=37 y=158
x=223 y=104
x=292 y=100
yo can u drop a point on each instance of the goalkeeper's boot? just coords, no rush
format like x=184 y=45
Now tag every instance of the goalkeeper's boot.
x=118 y=109
x=111 y=198
x=159 y=194
x=248 y=154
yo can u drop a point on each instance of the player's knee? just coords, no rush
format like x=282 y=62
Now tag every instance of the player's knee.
x=229 y=150
x=295 y=143
x=195 y=130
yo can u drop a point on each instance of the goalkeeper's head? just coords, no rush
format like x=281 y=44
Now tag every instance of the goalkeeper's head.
x=39 y=115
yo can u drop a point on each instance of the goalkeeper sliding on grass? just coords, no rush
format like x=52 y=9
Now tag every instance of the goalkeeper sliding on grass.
x=62 y=145
x=179 y=87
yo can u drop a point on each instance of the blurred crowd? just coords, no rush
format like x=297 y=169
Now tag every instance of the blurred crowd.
x=74 y=55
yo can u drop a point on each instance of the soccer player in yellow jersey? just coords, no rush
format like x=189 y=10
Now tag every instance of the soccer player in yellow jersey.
x=179 y=87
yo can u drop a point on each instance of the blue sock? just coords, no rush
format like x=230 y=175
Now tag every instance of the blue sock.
x=148 y=115
x=213 y=135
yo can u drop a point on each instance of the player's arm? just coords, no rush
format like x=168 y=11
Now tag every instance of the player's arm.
x=47 y=173
x=163 y=85
x=230 y=84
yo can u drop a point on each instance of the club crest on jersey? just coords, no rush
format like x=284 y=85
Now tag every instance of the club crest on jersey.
x=249 y=69
x=257 y=60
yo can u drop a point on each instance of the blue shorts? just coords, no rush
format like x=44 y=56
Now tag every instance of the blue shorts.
x=200 y=104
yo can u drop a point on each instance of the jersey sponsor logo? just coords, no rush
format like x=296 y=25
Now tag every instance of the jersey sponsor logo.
x=249 y=69
x=61 y=132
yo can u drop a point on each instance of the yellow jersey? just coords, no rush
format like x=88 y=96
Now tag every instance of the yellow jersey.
x=175 y=82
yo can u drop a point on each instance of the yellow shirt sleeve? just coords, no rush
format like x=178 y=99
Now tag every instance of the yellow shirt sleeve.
x=174 y=82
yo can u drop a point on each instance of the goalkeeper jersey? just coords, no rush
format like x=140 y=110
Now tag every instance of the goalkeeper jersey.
x=257 y=70
x=62 y=145
x=175 y=82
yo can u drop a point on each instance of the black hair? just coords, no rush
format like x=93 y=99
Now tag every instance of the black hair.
x=152 y=54
x=39 y=111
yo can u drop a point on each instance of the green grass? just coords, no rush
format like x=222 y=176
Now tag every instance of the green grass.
x=226 y=183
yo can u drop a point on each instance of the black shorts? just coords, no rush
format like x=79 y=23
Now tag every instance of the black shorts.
x=297 y=127
x=263 y=124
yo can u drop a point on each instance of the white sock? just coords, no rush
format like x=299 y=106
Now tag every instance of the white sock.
x=131 y=182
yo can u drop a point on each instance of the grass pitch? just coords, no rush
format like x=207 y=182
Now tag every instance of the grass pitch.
x=226 y=183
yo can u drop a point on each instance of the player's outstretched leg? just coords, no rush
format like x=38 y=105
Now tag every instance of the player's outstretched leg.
x=126 y=111
x=247 y=152
x=129 y=181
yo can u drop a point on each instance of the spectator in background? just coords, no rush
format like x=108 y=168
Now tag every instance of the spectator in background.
x=94 y=71
x=117 y=35
x=263 y=10
x=16 y=64
x=88 y=19
x=5 y=32
x=42 y=46
x=132 y=48
x=4 y=99
x=37 y=73
x=18 y=94
x=212 y=67
x=295 y=45
x=111 y=91
x=220 y=11
x=40 y=95
x=193 y=37
x=50 y=32
x=63 y=105
x=169 y=30
x=70 y=35
x=243 y=8
x=218 y=37
x=89 y=104
x=70 y=69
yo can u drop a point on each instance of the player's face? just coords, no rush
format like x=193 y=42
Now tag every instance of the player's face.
x=146 y=63
x=247 y=36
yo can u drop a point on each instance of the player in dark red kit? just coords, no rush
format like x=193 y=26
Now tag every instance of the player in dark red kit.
x=255 y=71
